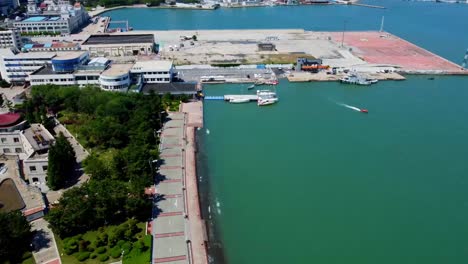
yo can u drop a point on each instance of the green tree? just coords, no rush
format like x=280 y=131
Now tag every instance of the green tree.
x=15 y=236
x=61 y=163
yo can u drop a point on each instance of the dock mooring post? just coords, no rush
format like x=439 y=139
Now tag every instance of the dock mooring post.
x=342 y=36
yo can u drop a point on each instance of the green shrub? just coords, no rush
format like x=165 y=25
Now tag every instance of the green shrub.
x=70 y=245
x=83 y=245
x=101 y=240
x=115 y=252
x=83 y=256
x=126 y=247
x=103 y=258
x=101 y=250
x=120 y=243
x=93 y=256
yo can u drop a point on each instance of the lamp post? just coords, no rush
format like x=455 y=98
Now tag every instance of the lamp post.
x=342 y=36
x=150 y=162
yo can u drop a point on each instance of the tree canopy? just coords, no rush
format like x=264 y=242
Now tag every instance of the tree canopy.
x=119 y=130
x=15 y=236
x=61 y=163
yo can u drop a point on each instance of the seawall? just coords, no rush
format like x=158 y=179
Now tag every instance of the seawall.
x=197 y=229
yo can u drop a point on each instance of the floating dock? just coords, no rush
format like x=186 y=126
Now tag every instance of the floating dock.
x=228 y=97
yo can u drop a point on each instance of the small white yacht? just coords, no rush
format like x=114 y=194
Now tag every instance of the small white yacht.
x=266 y=97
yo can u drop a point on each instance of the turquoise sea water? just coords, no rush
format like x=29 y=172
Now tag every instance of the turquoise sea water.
x=310 y=181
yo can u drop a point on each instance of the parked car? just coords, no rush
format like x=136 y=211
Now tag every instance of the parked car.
x=3 y=168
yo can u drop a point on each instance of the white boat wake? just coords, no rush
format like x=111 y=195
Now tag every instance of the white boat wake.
x=350 y=107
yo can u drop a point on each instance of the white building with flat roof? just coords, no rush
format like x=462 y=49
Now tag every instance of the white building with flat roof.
x=53 y=17
x=15 y=68
x=116 y=77
x=153 y=71
x=10 y=38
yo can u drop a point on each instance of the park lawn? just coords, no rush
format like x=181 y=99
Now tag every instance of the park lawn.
x=136 y=256
x=28 y=258
x=92 y=235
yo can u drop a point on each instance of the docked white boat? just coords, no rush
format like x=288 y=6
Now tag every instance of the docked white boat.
x=357 y=79
x=239 y=100
x=266 y=97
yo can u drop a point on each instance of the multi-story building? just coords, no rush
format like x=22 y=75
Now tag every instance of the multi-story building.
x=119 y=45
x=7 y=5
x=100 y=71
x=53 y=17
x=15 y=68
x=30 y=143
x=10 y=38
x=153 y=71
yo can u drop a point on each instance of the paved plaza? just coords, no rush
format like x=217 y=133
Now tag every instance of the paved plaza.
x=169 y=232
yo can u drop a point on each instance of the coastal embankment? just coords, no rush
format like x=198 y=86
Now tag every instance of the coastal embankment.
x=99 y=10
x=178 y=229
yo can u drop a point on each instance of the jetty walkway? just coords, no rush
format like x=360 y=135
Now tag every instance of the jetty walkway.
x=179 y=234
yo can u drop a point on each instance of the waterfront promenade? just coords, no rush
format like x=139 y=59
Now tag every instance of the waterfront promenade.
x=177 y=228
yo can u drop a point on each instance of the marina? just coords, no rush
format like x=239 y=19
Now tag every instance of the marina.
x=262 y=97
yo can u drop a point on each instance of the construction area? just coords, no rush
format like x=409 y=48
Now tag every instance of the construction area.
x=367 y=51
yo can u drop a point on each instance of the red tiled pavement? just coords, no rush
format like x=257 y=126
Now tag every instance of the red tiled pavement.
x=55 y=261
x=384 y=48
x=170 y=167
x=169 y=214
x=169 y=155
x=169 y=259
x=169 y=234
x=171 y=180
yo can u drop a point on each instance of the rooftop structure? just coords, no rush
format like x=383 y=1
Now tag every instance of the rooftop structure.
x=116 y=77
x=10 y=38
x=119 y=39
x=15 y=68
x=119 y=45
x=38 y=137
x=153 y=71
x=9 y=119
x=53 y=17
x=58 y=46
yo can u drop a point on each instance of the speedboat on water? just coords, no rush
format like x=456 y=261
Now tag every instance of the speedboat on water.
x=251 y=87
x=266 y=97
x=364 y=111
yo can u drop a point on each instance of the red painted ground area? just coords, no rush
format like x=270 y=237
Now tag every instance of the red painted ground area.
x=170 y=167
x=149 y=227
x=55 y=261
x=385 y=48
x=171 y=180
x=169 y=155
x=169 y=214
x=172 y=145
x=169 y=259
x=172 y=196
